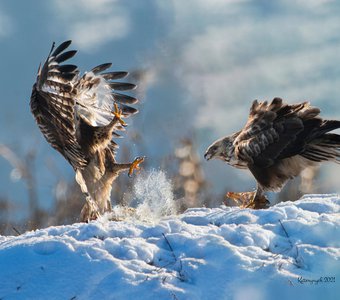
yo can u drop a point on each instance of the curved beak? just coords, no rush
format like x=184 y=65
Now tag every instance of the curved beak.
x=207 y=155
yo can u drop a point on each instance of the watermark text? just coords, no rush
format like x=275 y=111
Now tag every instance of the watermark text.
x=316 y=281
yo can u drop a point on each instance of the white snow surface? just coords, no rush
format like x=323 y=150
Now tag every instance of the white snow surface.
x=289 y=251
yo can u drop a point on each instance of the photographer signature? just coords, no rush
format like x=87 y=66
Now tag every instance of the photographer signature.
x=322 y=279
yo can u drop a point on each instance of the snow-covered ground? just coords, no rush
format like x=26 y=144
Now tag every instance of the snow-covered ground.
x=289 y=251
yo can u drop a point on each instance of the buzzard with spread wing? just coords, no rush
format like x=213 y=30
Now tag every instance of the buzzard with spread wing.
x=278 y=142
x=78 y=116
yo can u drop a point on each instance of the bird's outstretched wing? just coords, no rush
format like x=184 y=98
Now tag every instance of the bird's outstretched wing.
x=97 y=94
x=98 y=104
x=272 y=131
x=53 y=104
x=76 y=113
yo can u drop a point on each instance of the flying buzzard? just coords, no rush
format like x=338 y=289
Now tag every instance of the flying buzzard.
x=278 y=142
x=79 y=115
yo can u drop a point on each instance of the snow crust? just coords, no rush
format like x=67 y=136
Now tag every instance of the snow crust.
x=288 y=251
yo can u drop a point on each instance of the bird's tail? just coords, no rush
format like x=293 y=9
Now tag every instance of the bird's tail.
x=325 y=146
x=328 y=125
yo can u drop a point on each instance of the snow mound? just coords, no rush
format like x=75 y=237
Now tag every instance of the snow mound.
x=290 y=250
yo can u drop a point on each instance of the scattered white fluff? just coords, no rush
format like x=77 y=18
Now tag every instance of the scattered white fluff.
x=154 y=196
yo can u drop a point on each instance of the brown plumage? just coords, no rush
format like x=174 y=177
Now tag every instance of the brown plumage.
x=78 y=116
x=278 y=142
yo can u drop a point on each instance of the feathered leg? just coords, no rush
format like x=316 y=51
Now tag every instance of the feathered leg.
x=259 y=200
x=105 y=132
x=129 y=166
x=98 y=199
x=90 y=210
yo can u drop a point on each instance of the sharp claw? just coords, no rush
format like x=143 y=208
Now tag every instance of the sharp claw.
x=235 y=196
x=135 y=165
x=258 y=202
x=243 y=199
x=118 y=114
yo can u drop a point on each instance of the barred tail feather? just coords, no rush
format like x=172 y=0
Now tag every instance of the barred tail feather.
x=326 y=148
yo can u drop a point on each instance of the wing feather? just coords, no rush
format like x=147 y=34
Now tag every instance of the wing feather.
x=60 y=48
x=270 y=129
x=53 y=105
x=96 y=98
x=65 y=56
x=101 y=68
x=66 y=68
x=75 y=114
x=124 y=98
x=114 y=75
x=122 y=86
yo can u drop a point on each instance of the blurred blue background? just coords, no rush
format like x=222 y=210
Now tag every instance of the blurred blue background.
x=203 y=63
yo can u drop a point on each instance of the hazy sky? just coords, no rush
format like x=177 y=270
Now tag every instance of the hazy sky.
x=205 y=61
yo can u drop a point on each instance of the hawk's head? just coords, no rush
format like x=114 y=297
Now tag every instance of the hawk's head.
x=221 y=149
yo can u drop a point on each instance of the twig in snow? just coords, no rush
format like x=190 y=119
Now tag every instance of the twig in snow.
x=174 y=296
x=170 y=247
x=164 y=266
x=16 y=230
x=297 y=263
x=180 y=271
x=286 y=233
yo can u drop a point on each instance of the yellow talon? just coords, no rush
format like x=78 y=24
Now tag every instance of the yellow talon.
x=243 y=199
x=118 y=114
x=249 y=199
x=135 y=165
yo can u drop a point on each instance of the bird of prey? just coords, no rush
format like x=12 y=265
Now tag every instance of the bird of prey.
x=277 y=143
x=79 y=115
